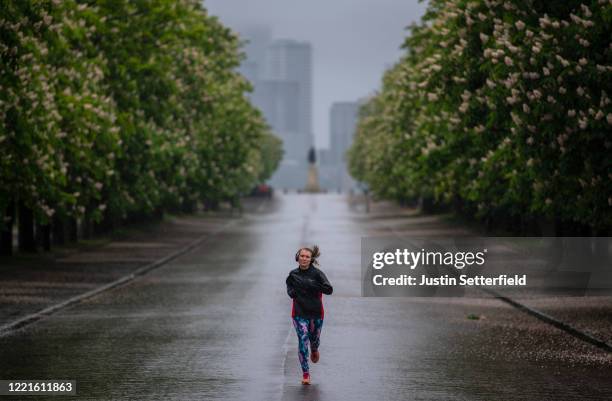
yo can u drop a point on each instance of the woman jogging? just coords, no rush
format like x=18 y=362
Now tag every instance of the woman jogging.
x=305 y=285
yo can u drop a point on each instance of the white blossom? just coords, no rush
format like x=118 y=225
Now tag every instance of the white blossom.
x=47 y=210
x=563 y=61
x=544 y=21
x=586 y=11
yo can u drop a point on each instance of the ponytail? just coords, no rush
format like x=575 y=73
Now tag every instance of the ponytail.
x=315 y=254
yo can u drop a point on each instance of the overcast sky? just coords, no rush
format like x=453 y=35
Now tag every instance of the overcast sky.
x=353 y=41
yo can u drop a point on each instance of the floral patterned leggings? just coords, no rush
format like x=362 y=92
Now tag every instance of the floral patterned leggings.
x=308 y=332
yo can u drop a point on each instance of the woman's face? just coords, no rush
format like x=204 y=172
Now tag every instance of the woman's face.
x=304 y=259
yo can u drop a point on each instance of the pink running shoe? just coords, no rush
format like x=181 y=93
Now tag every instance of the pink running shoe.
x=306 y=378
x=314 y=356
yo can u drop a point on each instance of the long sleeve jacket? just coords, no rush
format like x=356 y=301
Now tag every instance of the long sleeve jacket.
x=306 y=288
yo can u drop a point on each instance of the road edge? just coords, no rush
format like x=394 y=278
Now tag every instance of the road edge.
x=14 y=326
x=566 y=327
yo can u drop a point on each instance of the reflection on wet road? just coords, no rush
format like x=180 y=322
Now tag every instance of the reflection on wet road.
x=215 y=324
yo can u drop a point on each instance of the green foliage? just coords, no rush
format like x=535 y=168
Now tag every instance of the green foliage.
x=502 y=106
x=57 y=117
x=272 y=153
x=122 y=107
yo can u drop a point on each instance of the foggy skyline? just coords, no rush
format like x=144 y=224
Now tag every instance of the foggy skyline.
x=353 y=42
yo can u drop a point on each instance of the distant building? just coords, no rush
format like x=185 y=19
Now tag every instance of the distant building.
x=342 y=125
x=325 y=157
x=291 y=61
x=279 y=102
x=343 y=118
x=281 y=73
x=285 y=96
x=256 y=39
x=328 y=176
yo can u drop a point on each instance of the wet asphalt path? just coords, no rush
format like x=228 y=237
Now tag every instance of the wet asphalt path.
x=214 y=325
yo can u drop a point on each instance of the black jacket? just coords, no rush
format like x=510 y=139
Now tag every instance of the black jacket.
x=306 y=287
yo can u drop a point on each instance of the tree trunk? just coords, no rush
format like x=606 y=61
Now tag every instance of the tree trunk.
x=43 y=236
x=601 y=251
x=108 y=223
x=6 y=235
x=87 y=227
x=545 y=227
x=158 y=213
x=188 y=206
x=59 y=230
x=72 y=230
x=26 y=229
